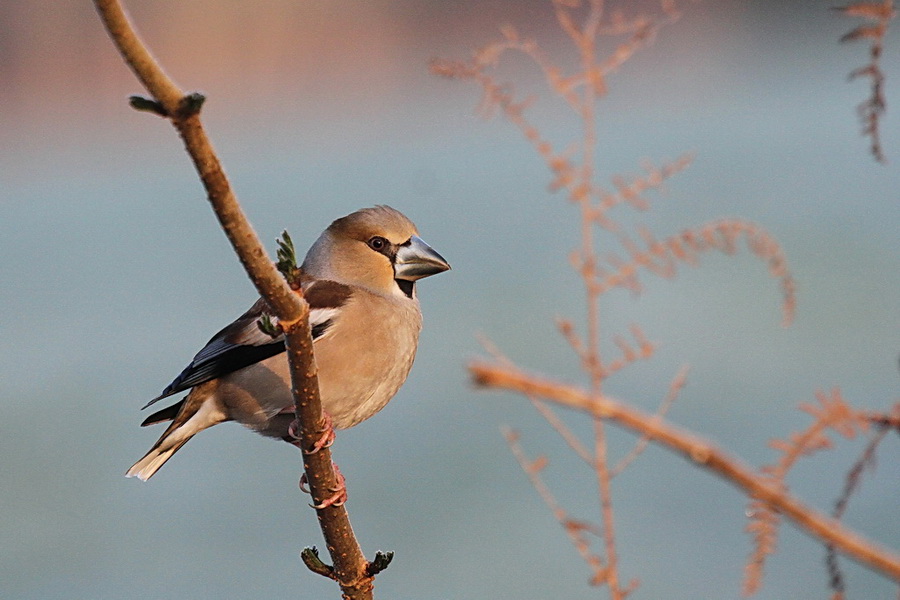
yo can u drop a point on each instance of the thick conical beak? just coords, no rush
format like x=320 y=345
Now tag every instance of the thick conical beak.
x=415 y=259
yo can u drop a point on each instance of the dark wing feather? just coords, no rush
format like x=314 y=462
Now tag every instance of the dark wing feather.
x=166 y=414
x=243 y=343
x=238 y=345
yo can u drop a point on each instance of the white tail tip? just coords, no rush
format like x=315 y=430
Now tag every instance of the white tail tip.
x=150 y=464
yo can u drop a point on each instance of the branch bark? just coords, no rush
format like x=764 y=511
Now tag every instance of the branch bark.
x=700 y=452
x=351 y=569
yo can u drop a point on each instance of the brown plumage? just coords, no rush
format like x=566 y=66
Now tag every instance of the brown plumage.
x=359 y=278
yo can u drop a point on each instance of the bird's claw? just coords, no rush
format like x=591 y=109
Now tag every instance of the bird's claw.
x=325 y=440
x=340 y=490
x=327 y=437
x=293 y=432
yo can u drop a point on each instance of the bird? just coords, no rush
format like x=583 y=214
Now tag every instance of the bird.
x=359 y=278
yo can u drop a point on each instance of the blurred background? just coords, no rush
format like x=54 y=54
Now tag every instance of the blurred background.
x=114 y=273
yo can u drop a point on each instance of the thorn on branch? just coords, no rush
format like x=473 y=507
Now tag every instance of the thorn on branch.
x=380 y=563
x=310 y=557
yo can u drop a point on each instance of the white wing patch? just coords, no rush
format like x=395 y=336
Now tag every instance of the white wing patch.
x=317 y=316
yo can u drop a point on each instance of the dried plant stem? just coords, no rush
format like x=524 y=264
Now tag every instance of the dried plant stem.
x=672 y=395
x=594 y=86
x=851 y=484
x=701 y=453
x=877 y=18
x=830 y=414
x=567 y=434
x=350 y=566
x=601 y=468
x=575 y=530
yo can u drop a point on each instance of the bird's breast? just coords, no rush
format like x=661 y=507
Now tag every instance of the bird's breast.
x=363 y=361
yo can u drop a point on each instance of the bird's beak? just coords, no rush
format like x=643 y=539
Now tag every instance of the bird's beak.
x=415 y=259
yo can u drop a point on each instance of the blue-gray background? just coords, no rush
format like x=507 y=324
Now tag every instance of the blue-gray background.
x=114 y=273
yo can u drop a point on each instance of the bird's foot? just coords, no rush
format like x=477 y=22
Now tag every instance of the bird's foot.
x=293 y=433
x=325 y=440
x=339 y=489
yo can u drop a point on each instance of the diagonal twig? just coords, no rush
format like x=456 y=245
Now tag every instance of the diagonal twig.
x=674 y=388
x=351 y=570
x=702 y=453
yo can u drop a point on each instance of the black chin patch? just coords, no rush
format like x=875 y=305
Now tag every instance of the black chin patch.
x=406 y=286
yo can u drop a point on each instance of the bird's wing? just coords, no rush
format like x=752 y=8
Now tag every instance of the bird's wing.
x=243 y=343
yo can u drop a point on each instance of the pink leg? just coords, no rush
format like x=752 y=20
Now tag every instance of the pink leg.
x=339 y=489
x=325 y=441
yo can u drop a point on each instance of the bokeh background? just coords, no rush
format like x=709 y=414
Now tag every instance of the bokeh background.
x=114 y=273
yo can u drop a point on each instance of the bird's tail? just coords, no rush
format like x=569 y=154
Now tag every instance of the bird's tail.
x=153 y=460
x=183 y=428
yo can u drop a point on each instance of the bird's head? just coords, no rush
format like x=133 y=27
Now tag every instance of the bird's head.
x=377 y=248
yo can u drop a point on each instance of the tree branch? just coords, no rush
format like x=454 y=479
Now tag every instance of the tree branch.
x=700 y=452
x=351 y=570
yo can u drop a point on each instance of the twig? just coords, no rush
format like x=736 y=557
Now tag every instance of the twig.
x=351 y=570
x=891 y=421
x=878 y=16
x=585 y=41
x=831 y=413
x=672 y=395
x=574 y=529
x=702 y=453
x=563 y=430
x=573 y=170
x=851 y=484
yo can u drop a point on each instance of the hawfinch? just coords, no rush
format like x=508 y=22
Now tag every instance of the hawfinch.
x=359 y=278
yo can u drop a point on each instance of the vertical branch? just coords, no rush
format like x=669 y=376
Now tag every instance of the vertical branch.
x=585 y=40
x=351 y=570
x=574 y=170
x=581 y=194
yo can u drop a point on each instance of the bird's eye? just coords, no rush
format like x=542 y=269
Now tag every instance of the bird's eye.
x=378 y=243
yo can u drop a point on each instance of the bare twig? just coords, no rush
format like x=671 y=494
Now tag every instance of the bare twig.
x=674 y=388
x=584 y=37
x=700 y=452
x=661 y=257
x=889 y=420
x=831 y=413
x=575 y=530
x=877 y=16
x=564 y=431
x=351 y=570
x=574 y=171
x=851 y=484
x=631 y=189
